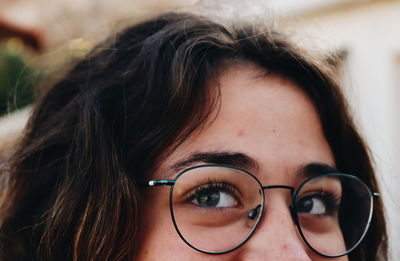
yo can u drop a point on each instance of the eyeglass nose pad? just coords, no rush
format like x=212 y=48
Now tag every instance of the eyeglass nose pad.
x=294 y=214
x=254 y=212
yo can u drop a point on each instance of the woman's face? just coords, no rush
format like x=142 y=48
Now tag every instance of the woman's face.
x=268 y=120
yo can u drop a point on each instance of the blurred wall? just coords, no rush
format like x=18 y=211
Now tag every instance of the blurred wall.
x=71 y=27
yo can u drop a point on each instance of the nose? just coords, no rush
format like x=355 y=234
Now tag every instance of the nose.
x=276 y=236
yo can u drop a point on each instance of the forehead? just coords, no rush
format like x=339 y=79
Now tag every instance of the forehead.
x=264 y=116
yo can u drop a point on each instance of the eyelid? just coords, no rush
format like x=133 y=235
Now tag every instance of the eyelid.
x=214 y=185
x=321 y=192
x=219 y=184
x=334 y=198
x=234 y=191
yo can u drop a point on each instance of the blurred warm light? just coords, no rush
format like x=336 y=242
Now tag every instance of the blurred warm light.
x=14 y=45
x=79 y=47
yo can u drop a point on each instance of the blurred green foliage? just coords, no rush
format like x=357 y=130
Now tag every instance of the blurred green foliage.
x=17 y=80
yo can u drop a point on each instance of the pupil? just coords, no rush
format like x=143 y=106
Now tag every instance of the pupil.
x=209 y=198
x=306 y=205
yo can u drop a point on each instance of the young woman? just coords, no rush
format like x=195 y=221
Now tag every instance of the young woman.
x=184 y=139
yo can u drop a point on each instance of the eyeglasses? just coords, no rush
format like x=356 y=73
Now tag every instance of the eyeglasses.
x=216 y=208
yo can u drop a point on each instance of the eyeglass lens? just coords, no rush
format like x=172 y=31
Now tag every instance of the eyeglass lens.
x=211 y=207
x=333 y=213
x=216 y=209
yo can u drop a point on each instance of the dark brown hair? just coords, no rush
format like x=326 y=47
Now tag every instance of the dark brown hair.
x=71 y=187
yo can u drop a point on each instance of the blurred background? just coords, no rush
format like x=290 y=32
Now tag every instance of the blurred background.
x=40 y=38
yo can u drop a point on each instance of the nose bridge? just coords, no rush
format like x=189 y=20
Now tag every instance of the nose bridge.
x=289 y=207
x=290 y=188
x=276 y=236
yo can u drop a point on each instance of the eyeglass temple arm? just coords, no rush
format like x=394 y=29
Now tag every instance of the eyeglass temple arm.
x=162 y=182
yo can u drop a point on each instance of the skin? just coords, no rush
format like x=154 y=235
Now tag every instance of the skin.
x=271 y=120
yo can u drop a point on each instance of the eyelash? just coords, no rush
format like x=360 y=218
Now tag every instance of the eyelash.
x=211 y=185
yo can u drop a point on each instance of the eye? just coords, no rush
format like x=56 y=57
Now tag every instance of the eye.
x=322 y=203
x=214 y=195
x=314 y=205
x=217 y=199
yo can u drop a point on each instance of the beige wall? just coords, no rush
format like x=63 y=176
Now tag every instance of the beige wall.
x=11 y=129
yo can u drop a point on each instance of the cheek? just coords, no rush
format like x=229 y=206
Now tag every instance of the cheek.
x=155 y=226
x=157 y=238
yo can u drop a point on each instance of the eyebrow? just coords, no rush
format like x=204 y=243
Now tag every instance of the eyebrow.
x=236 y=159
x=242 y=161
x=316 y=168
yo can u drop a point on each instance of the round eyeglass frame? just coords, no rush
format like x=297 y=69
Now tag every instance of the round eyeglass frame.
x=292 y=207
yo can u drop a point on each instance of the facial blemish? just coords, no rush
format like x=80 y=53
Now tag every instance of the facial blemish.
x=241 y=133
